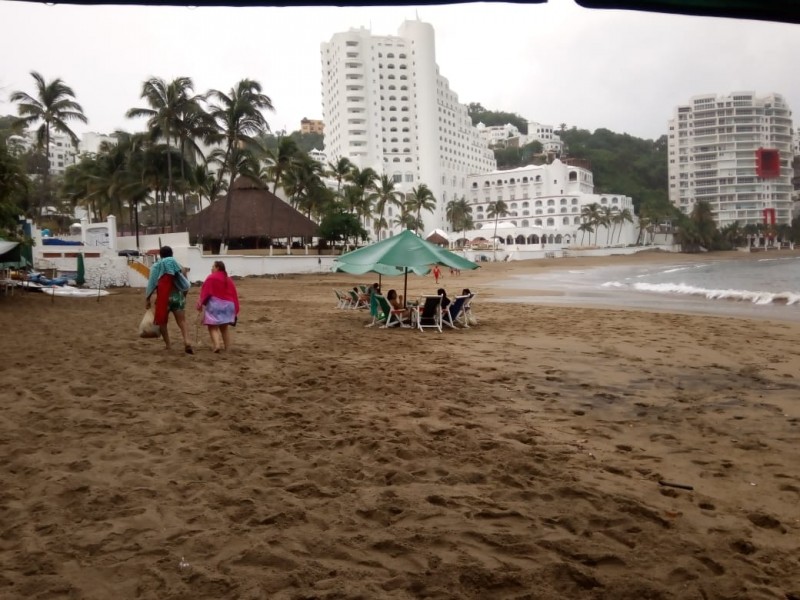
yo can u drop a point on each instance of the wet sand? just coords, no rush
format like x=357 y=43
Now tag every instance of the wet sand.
x=520 y=458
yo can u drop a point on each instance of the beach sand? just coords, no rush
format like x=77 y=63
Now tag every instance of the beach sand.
x=520 y=458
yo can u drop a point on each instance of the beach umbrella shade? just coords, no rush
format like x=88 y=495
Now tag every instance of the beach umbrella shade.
x=80 y=278
x=404 y=252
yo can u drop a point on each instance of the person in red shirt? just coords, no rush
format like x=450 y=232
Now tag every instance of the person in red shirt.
x=436 y=273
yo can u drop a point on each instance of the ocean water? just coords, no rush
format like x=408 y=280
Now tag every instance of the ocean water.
x=758 y=288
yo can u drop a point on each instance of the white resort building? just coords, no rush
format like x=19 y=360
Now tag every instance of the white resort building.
x=386 y=106
x=551 y=142
x=734 y=152
x=545 y=206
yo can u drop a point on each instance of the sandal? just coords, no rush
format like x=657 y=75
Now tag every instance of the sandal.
x=188 y=349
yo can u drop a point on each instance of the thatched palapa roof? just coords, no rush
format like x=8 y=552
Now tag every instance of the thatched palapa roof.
x=255 y=212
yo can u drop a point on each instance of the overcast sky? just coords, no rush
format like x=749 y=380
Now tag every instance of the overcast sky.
x=553 y=63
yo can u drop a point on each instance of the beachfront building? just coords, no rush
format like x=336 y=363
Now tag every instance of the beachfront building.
x=544 y=134
x=546 y=205
x=499 y=135
x=62 y=151
x=386 y=106
x=735 y=152
x=91 y=142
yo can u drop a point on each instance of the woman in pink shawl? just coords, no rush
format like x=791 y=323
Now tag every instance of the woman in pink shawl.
x=220 y=305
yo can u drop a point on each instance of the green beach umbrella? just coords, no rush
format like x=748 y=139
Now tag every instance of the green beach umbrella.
x=80 y=278
x=398 y=255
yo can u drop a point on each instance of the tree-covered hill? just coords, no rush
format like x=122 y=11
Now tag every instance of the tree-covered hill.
x=622 y=163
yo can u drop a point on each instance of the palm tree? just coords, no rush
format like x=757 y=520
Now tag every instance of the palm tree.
x=363 y=182
x=168 y=102
x=239 y=119
x=281 y=160
x=421 y=198
x=605 y=219
x=54 y=106
x=620 y=218
x=340 y=171
x=385 y=195
x=585 y=228
x=459 y=212
x=591 y=214
x=496 y=209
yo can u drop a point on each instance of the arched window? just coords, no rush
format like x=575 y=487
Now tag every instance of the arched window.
x=565 y=221
x=576 y=221
x=573 y=176
x=525 y=223
x=550 y=222
x=551 y=202
x=603 y=200
x=538 y=222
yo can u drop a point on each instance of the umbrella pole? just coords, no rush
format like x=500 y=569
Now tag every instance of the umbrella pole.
x=405 y=286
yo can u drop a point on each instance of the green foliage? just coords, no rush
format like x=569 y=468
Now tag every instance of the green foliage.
x=622 y=164
x=338 y=225
x=306 y=142
x=511 y=158
x=13 y=190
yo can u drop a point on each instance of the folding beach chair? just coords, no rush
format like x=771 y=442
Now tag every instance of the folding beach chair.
x=428 y=313
x=376 y=312
x=451 y=314
x=356 y=301
x=467 y=318
x=394 y=316
x=342 y=299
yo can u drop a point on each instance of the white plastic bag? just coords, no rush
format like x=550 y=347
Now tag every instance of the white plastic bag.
x=148 y=329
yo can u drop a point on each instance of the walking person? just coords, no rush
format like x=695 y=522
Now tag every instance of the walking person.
x=219 y=303
x=168 y=281
x=437 y=272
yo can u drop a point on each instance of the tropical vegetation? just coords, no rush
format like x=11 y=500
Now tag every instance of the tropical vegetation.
x=191 y=150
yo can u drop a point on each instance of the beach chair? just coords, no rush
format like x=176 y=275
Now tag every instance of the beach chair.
x=356 y=301
x=467 y=318
x=376 y=312
x=428 y=313
x=342 y=299
x=394 y=316
x=451 y=314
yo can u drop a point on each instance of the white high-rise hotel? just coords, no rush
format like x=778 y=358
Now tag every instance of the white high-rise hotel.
x=714 y=145
x=385 y=106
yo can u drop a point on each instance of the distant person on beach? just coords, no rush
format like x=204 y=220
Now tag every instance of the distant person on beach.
x=219 y=303
x=168 y=281
x=437 y=272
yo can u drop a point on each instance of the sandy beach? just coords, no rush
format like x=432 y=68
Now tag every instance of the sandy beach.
x=523 y=458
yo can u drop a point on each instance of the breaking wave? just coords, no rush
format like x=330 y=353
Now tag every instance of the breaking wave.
x=787 y=298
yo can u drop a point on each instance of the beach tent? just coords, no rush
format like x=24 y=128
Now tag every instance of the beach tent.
x=398 y=255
